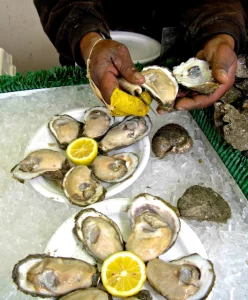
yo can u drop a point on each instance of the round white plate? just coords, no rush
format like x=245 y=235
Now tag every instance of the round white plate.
x=142 y=48
x=64 y=243
x=44 y=139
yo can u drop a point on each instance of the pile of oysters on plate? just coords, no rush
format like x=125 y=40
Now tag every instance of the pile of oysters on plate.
x=81 y=184
x=155 y=225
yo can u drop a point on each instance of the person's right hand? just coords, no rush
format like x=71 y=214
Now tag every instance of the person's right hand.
x=109 y=59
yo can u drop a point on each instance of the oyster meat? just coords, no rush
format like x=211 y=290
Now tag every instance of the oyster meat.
x=97 y=121
x=155 y=226
x=115 y=168
x=191 y=277
x=48 y=276
x=171 y=138
x=126 y=133
x=203 y=204
x=65 y=129
x=162 y=86
x=43 y=162
x=87 y=294
x=99 y=234
x=196 y=74
x=81 y=188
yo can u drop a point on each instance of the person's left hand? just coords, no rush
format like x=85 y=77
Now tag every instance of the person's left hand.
x=219 y=53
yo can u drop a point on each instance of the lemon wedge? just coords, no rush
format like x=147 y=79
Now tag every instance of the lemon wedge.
x=82 y=151
x=123 y=274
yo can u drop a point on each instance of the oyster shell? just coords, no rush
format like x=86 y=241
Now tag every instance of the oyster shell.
x=43 y=162
x=171 y=138
x=142 y=295
x=97 y=121
x=65 y=129
x=196 y=75
x=242 y=66
x=126 y=133
x=87 y=294
x=99 y=234
x=81 y=188
x=48 y=276
x=115 y=168
x=191 y=277
x=203 y=204
x=162 y=85
x=155 y=226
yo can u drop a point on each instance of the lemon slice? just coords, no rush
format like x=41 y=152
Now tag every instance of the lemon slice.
x=82 y=151
x=123 y=274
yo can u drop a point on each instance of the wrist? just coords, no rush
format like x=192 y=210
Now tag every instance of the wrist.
x=87 y=42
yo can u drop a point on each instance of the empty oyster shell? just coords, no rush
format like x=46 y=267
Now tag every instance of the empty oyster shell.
x=65 y=129
x=196 y=75
x=99 y=234
x=162 y=85
x=155 y=226
x=43 y=162
x=80 y=188
x=190 y=277
x=48 y=276
x=87 y=294
x=115 y=168
x=171 y=138
x=126 y=133
x=97 y=122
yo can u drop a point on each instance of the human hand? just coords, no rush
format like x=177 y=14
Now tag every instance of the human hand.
x=219 y=53
x=109 y=59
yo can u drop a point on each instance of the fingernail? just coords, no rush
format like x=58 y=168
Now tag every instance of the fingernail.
x=180 y=108
x=138 y=76
x=224 y=74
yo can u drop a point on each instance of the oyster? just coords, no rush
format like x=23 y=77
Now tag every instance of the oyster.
x=242 y=66
x=142 y=295
x=162 y=86
x=190 y=277
x=99 y=234
x=43 y=162
x=171 y=138
x=87 y=294
x=115 y=168
x=203 y=204
x=80 y=188
x=232 y=125
x=48 y=276
x=128 y=132
x=97 y=122
x=65 y=129
x=196 y=75
x=155 y=226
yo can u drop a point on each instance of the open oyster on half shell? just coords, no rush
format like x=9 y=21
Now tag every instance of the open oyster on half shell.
x=191 y=277
x=195 y=74
x=162 y=86
x=92 y=293
x=99 y=234
x=47 y=276
x=155 y=226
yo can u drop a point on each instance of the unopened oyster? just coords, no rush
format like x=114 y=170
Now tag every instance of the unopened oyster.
x=80 y=188
x=43 y=162
x=203 y=204
x=99 y=234
x=97 y=121
x=87 y=294
x=162 y=85
x=48 y=276
x=155 y=226
x=115 y=168
x=171 y=138
x=191 y=277
x=196 y=75
x=65 y=129
x=126 y=133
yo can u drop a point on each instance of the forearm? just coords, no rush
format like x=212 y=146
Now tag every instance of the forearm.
x=66 y=22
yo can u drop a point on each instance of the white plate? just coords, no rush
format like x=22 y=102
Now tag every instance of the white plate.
x=44 y=139
x=142 y=48
x=64 y=243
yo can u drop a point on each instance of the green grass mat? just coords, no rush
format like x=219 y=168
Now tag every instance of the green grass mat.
x=235 y=161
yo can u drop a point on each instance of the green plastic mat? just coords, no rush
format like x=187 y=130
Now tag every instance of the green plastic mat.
x=235 y=161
